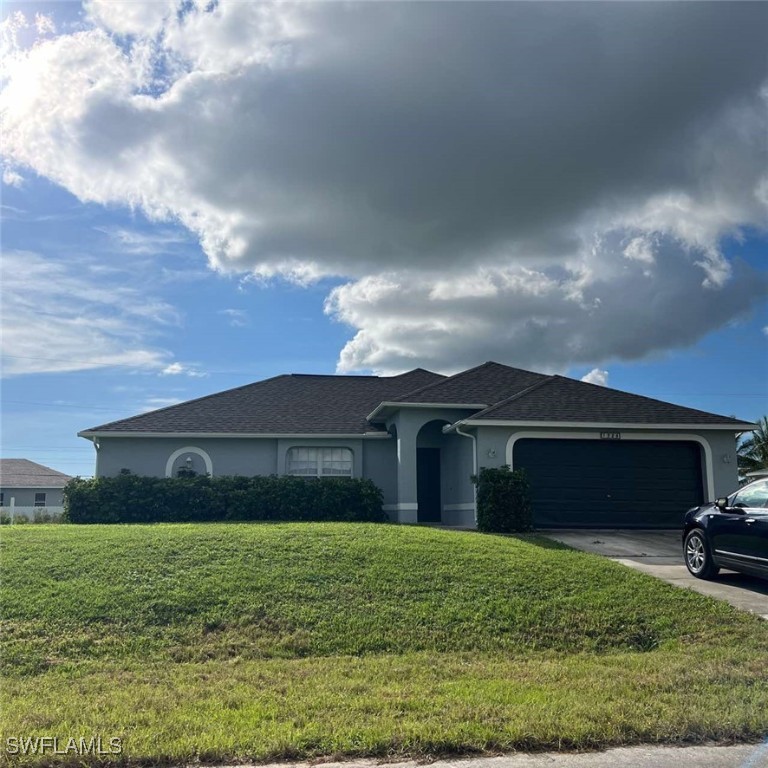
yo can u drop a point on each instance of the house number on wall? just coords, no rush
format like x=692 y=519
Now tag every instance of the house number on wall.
x=610 y=435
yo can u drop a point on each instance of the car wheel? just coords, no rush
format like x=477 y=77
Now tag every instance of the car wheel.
x=698 y=559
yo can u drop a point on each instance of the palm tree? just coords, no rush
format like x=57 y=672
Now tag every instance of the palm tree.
x=753 y=450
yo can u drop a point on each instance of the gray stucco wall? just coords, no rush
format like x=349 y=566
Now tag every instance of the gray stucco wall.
x=372 y=458
x=380 y=466
x=458 y=492
x=721 y=443
x=149 y=455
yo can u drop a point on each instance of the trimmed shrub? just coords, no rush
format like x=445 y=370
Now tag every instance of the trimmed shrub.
x=503 y=500
x=134 y=499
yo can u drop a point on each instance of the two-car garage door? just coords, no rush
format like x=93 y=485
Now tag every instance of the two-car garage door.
x=610 y=483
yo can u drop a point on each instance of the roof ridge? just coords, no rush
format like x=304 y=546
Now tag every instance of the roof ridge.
x=445 y=379
x=547 y=380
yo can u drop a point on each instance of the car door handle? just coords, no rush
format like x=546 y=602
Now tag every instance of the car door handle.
x=750 y=520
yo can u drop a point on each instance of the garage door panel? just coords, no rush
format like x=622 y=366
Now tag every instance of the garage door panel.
x=593 y=483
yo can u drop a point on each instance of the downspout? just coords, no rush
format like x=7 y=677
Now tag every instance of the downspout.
x=96 y=446
x=474 y=463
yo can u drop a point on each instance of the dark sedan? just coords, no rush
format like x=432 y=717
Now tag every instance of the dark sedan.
x=731 y=533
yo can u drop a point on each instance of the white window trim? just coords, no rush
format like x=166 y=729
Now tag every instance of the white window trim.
x=708 y=481
x=319 y=467
x=189 y=449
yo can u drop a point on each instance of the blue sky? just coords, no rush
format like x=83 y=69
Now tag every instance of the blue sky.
x=188 y=206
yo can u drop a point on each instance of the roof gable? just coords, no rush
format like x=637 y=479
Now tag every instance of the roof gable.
x=23 y=473
x=560 y=399
x=487 y=384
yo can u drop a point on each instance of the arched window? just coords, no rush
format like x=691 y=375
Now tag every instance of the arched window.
x=171 y=467
x=319 y=462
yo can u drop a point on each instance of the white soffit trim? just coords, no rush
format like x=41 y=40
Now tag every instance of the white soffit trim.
x=709 y=480
x=200 y=435
x=394 y=404
x=601 y=425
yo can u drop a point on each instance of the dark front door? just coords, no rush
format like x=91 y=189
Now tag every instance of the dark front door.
x=428 y=484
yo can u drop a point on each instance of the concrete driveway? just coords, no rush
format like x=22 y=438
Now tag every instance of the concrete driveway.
x=660 y=554
x=736 y=756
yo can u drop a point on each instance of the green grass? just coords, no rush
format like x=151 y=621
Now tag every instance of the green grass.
x=252 y=642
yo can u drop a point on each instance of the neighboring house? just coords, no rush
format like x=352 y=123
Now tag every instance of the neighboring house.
x=27 y=487
x=595 y=456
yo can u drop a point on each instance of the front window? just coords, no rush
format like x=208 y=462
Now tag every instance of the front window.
x=39 y=499
x=319 y=462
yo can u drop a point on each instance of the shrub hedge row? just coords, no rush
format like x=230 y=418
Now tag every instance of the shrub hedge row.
x=134 y=499
x=503 y=500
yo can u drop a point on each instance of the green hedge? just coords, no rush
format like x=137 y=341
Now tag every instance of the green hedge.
x=503 y=500
x=135 y=499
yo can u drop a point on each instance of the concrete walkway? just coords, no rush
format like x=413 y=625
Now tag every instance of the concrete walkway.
x=738 y=756
x=660 y=554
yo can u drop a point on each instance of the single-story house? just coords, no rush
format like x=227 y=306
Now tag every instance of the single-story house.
x=26 y=487
x=594 y=456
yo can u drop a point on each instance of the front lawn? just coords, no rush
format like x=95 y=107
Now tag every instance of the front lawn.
x=225 y=642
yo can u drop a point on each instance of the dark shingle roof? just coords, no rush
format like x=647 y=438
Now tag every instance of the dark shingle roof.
x=310 y=404
x=487 y=384
x=22 y=473
x=557 y=398
x=289 y=404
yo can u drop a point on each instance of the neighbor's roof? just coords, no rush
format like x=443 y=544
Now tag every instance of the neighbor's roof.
x=22 y=473
x=560 y=399
x=288 y=404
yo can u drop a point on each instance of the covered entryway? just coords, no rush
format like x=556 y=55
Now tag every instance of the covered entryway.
x=610 y=483
x=429 y=447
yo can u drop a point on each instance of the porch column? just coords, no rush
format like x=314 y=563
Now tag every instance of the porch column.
x=407 y=500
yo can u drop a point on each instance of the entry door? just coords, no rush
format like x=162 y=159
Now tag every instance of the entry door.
x=428 y=484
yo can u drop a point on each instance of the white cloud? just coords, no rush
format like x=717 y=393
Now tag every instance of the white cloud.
x=596 y=376
x=11 y=178
x=44 y=24
x=180 y=369
x=127 y=17
x=597 y=306
x=144 y=243
x=516 y=181
x=238 y=318
x=640 y=249
x=57 y=317
x=153 y=403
